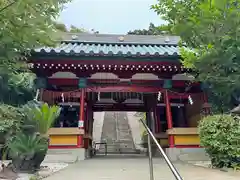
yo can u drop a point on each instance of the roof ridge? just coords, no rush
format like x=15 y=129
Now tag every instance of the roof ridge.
x=117 y=43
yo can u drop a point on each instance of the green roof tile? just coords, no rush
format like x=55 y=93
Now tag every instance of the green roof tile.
x=109 y=45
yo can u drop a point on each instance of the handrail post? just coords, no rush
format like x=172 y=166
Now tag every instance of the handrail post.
x=150 y=157
x=169 y=163
x=105 y=149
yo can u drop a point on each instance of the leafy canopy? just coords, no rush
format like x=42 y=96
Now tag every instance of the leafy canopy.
x=212 y=29
x=73 y=29
x=24 y=25
x=153 y=30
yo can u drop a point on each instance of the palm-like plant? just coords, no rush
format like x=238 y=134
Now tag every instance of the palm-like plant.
x=43 y=116
x=26 y=146
x=27 y=152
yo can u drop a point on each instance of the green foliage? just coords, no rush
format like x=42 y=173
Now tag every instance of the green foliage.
x=61 y=27
x=73 y=29
x=212 y=29
x=25 y=25
x=16 y=88
x=43 y=116
x=27 y=151
x=220 y=135
x=27 y=146
x=10 y=118
x=153 y=30
x=33 y=27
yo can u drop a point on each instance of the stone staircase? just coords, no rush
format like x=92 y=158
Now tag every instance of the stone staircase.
x=117 y=134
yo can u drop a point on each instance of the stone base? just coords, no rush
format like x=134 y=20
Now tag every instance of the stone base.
x=187 y=154
x=66 y=155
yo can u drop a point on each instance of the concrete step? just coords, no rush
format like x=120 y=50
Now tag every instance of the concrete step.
x=117 y=133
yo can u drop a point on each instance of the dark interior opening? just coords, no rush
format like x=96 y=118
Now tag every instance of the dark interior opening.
x=68 y=118
x=178 y=117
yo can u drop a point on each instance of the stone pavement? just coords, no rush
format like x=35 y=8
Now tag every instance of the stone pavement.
x=135 y=169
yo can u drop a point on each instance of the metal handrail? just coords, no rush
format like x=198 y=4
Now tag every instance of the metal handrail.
x=100 y=143
x=169 y=163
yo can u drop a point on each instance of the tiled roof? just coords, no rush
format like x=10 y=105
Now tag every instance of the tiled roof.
x=114 y=45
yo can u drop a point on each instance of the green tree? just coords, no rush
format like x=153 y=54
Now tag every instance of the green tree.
x=61 y=27
x=153 y=30
x=73 y=29
x=25 y=25
x=211 y=28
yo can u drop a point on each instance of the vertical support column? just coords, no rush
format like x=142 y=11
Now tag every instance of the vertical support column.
x=169 y=118
x=81 y=117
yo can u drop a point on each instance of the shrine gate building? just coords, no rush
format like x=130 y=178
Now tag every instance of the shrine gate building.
x=86 y=73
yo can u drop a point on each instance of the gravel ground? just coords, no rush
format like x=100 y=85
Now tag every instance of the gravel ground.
x=46 y=170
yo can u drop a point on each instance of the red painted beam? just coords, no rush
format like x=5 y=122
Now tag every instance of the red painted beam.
x=188 y=146
x=116 y=88
x=74 y=82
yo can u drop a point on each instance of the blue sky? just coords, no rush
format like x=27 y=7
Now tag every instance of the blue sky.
x=110 y=16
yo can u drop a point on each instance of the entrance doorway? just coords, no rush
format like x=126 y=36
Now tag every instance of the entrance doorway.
x=116 y=136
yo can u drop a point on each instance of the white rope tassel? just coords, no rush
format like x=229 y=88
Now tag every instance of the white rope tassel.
x=62 y=95
x=159 y=96
x=37 y=94
x=98 y=96
x=190 y=100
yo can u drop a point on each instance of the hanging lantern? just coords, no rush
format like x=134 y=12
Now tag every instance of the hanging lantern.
x=62 y=96
x=190 y=100
x=98 y=96
x=159 y=96
x=37 y=94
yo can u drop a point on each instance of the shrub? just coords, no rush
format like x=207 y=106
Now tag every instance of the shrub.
x=10 y=120
x=42 y=116
x=27 y=151
x=220 y=135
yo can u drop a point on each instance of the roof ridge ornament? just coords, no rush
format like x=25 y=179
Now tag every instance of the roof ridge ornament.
x=74 y=37
x=121 y=38
x=167 y=40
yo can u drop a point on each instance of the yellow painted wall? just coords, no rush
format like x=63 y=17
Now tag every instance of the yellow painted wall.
x=63 y=140
x=186 y=140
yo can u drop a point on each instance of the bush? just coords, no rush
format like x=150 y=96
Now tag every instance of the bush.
x=27 y=151
x=10 y=120
x=220 y=135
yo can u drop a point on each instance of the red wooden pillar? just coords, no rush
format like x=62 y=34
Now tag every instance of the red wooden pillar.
x=169 y=118
x=81 y=117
